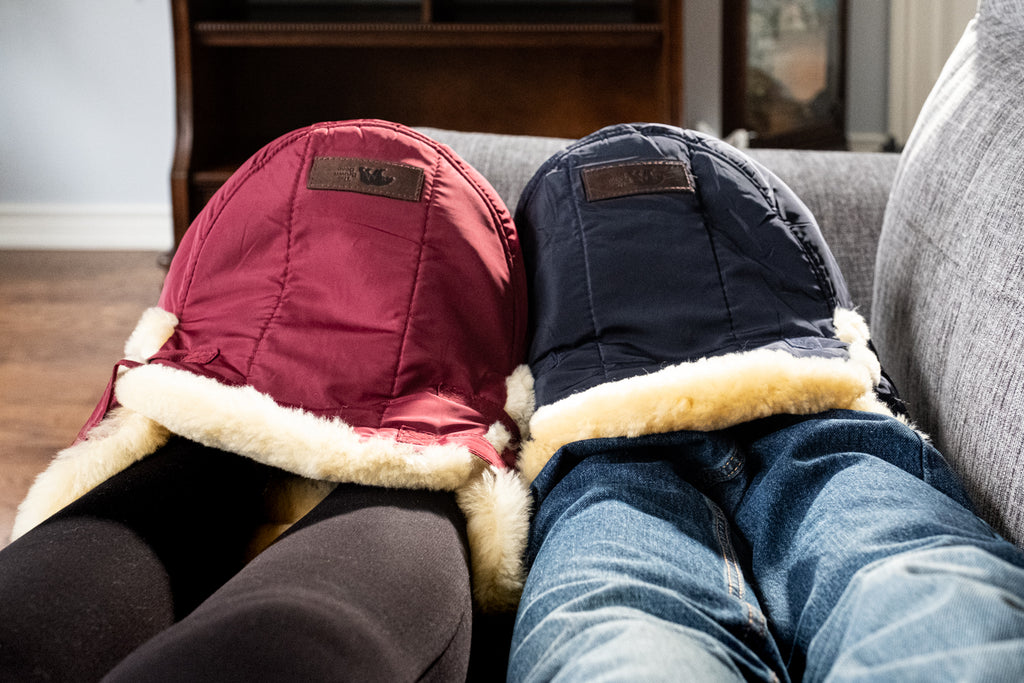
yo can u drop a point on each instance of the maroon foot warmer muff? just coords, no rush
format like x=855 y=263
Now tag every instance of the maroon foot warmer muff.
x=349 y=307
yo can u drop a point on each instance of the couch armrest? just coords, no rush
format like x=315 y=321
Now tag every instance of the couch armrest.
x=846 y=191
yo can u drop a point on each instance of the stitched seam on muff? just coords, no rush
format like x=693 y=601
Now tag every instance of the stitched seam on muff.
x=721 y=279
x=489 y=196
x=557 y=159
x=286 y=271
x=817 y=264
x=570 y=170
x=747 y=169
x=688 y=142
x=428 y=198
x=268 y=156
x=814 y=258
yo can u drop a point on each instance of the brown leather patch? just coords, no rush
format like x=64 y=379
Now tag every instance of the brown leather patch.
x=366 y=176
x=636 y=177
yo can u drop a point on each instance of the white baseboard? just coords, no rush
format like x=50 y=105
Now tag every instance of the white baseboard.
x=86 y=226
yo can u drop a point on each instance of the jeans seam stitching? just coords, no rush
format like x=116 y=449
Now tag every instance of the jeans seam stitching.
x=728 y=554
x=727 y=471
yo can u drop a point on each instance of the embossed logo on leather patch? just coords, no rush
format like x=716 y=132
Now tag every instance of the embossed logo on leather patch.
x=636 y=177
x=366 y=176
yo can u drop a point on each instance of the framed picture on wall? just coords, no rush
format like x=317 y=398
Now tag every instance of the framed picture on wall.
x=784 y=72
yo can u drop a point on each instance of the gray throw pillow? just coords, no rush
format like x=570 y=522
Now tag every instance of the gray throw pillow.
x=948 y=315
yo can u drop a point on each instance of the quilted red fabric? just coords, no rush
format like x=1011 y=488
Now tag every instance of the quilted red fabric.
x=402 y=316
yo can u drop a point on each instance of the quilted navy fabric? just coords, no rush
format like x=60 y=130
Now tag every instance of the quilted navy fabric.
x=626 y=282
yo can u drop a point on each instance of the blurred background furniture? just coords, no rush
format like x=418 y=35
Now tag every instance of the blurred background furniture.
x=250 y=70
x=784 y=72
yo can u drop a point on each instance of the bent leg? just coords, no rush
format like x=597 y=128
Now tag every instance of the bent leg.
x=951 y=613
x=858 y=526
x=372 y=585
x=110 y=570
x=636 y=577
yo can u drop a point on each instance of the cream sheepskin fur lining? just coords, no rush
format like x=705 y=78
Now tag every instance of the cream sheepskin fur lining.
x=242 y=420
x=711 y=393
x=497 y=508
x=154 y=328
x=159 y=400
x=520 y=398
x=121 y=439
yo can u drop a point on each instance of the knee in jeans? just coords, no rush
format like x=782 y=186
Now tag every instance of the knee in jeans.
x=646 y=634
x=620 y=643
x=966 y=560
x=924 y=613
x=940 y=571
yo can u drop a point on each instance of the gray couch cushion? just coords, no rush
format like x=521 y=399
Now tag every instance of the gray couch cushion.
x=949 y=286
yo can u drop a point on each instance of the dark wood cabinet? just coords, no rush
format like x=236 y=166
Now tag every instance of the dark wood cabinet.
x=248 y=71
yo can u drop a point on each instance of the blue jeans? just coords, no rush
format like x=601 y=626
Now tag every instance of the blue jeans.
x=837 y=547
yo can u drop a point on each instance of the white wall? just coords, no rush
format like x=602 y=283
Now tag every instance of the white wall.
x=86 y=123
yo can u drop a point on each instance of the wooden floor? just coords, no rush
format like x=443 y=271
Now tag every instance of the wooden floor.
x=64 y=318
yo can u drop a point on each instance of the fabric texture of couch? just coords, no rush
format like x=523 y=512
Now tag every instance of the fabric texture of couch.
x=948 y=317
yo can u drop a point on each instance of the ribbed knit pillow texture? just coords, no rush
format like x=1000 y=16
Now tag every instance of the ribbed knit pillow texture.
x=948 y=307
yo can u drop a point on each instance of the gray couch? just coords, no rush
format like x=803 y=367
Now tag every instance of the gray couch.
x=931 y=243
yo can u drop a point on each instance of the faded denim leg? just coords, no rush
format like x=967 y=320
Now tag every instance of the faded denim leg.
x=636 y=575
x=869 y=562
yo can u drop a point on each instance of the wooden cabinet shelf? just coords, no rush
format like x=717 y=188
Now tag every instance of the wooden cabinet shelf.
x=251 y=70
x=288 y=34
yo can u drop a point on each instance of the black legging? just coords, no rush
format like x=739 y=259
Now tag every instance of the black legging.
x=143 y=578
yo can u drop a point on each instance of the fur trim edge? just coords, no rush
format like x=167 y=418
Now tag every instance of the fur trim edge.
x=241 y=420
x=496 y=504
x=120 y=439
x=155 y=327
x=710 y=394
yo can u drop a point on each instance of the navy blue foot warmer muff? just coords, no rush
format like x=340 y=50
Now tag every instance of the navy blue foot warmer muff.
x=677 y=284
